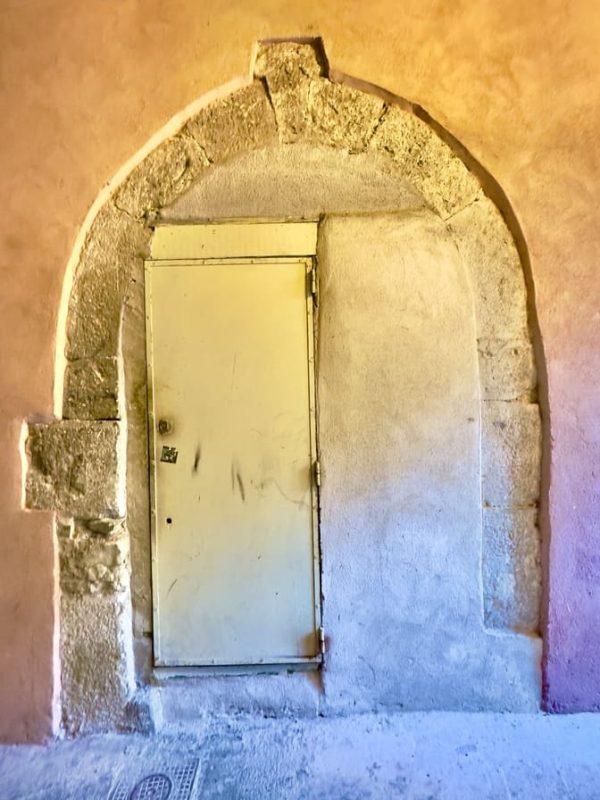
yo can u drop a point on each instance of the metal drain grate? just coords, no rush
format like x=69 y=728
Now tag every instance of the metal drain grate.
x=171 y=783
x=154 y=787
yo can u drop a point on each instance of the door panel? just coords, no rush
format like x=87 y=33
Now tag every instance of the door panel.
x=235 y=567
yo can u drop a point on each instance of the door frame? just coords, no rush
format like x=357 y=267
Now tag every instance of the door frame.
x=238 y=242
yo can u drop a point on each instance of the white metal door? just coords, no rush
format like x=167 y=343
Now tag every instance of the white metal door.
x=235 y=541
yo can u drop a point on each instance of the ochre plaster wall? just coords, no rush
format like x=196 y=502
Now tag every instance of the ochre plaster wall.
x=86 y=85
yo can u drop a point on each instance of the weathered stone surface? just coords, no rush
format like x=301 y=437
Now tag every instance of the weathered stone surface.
x=94 y=312
x=90 y=564
x=506 y=368
x=242 y=121
x=104 y=527
x=342 y=117
x=311 y=108
x=113 y=252
x=511 y=569
x=96 y=663
x=511 y=453
x=92 y=389
x=286 y=63
x=333 y=116
x=497 y=274
x=289 y=70
x=426 y=161
x=74 y=469
x=64 y=527
x=162 y=176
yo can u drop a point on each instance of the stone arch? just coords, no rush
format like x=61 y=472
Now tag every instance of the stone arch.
x=78 y=464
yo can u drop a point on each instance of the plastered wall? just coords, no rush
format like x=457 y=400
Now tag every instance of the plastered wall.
x=88 y=85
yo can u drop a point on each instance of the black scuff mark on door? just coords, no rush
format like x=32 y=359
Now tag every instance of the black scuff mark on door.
x=240 y=484
x=197 y=459
x=237 y=480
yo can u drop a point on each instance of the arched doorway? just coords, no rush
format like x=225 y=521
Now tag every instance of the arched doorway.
x=427 y=395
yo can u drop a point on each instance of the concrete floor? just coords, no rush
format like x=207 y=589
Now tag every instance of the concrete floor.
x=424 y=756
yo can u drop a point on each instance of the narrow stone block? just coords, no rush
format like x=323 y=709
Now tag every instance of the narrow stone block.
x=511 y=569
x=426 y=161
x=111 y=258
x=96 y=661
x=94 y=312
x=92 y=389
x=511 y=453
x=242 y=121
x=290 y=70
x=74 y=469
x=489 y=250
x=162 y=176
x=507 y=368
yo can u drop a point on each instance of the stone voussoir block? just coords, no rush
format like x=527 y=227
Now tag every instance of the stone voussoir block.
x=511 y=569
x=425 y=161
x=289 y=70
x=115 y=245
x=283 y=64
x=92 y=389
x=75 y=469
x=162 y=176
x=242 y=121
x=308 y=106
x=94 y=312
x=507 y=368
x=511 y=453
x=489 y=250
x=341 y=116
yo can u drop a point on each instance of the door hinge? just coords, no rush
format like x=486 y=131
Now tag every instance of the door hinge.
x=317 y=472
x=322 y=641
x=314 y=285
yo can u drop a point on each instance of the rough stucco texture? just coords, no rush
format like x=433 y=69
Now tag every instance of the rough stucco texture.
x=400 y=523
x=88 y=84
